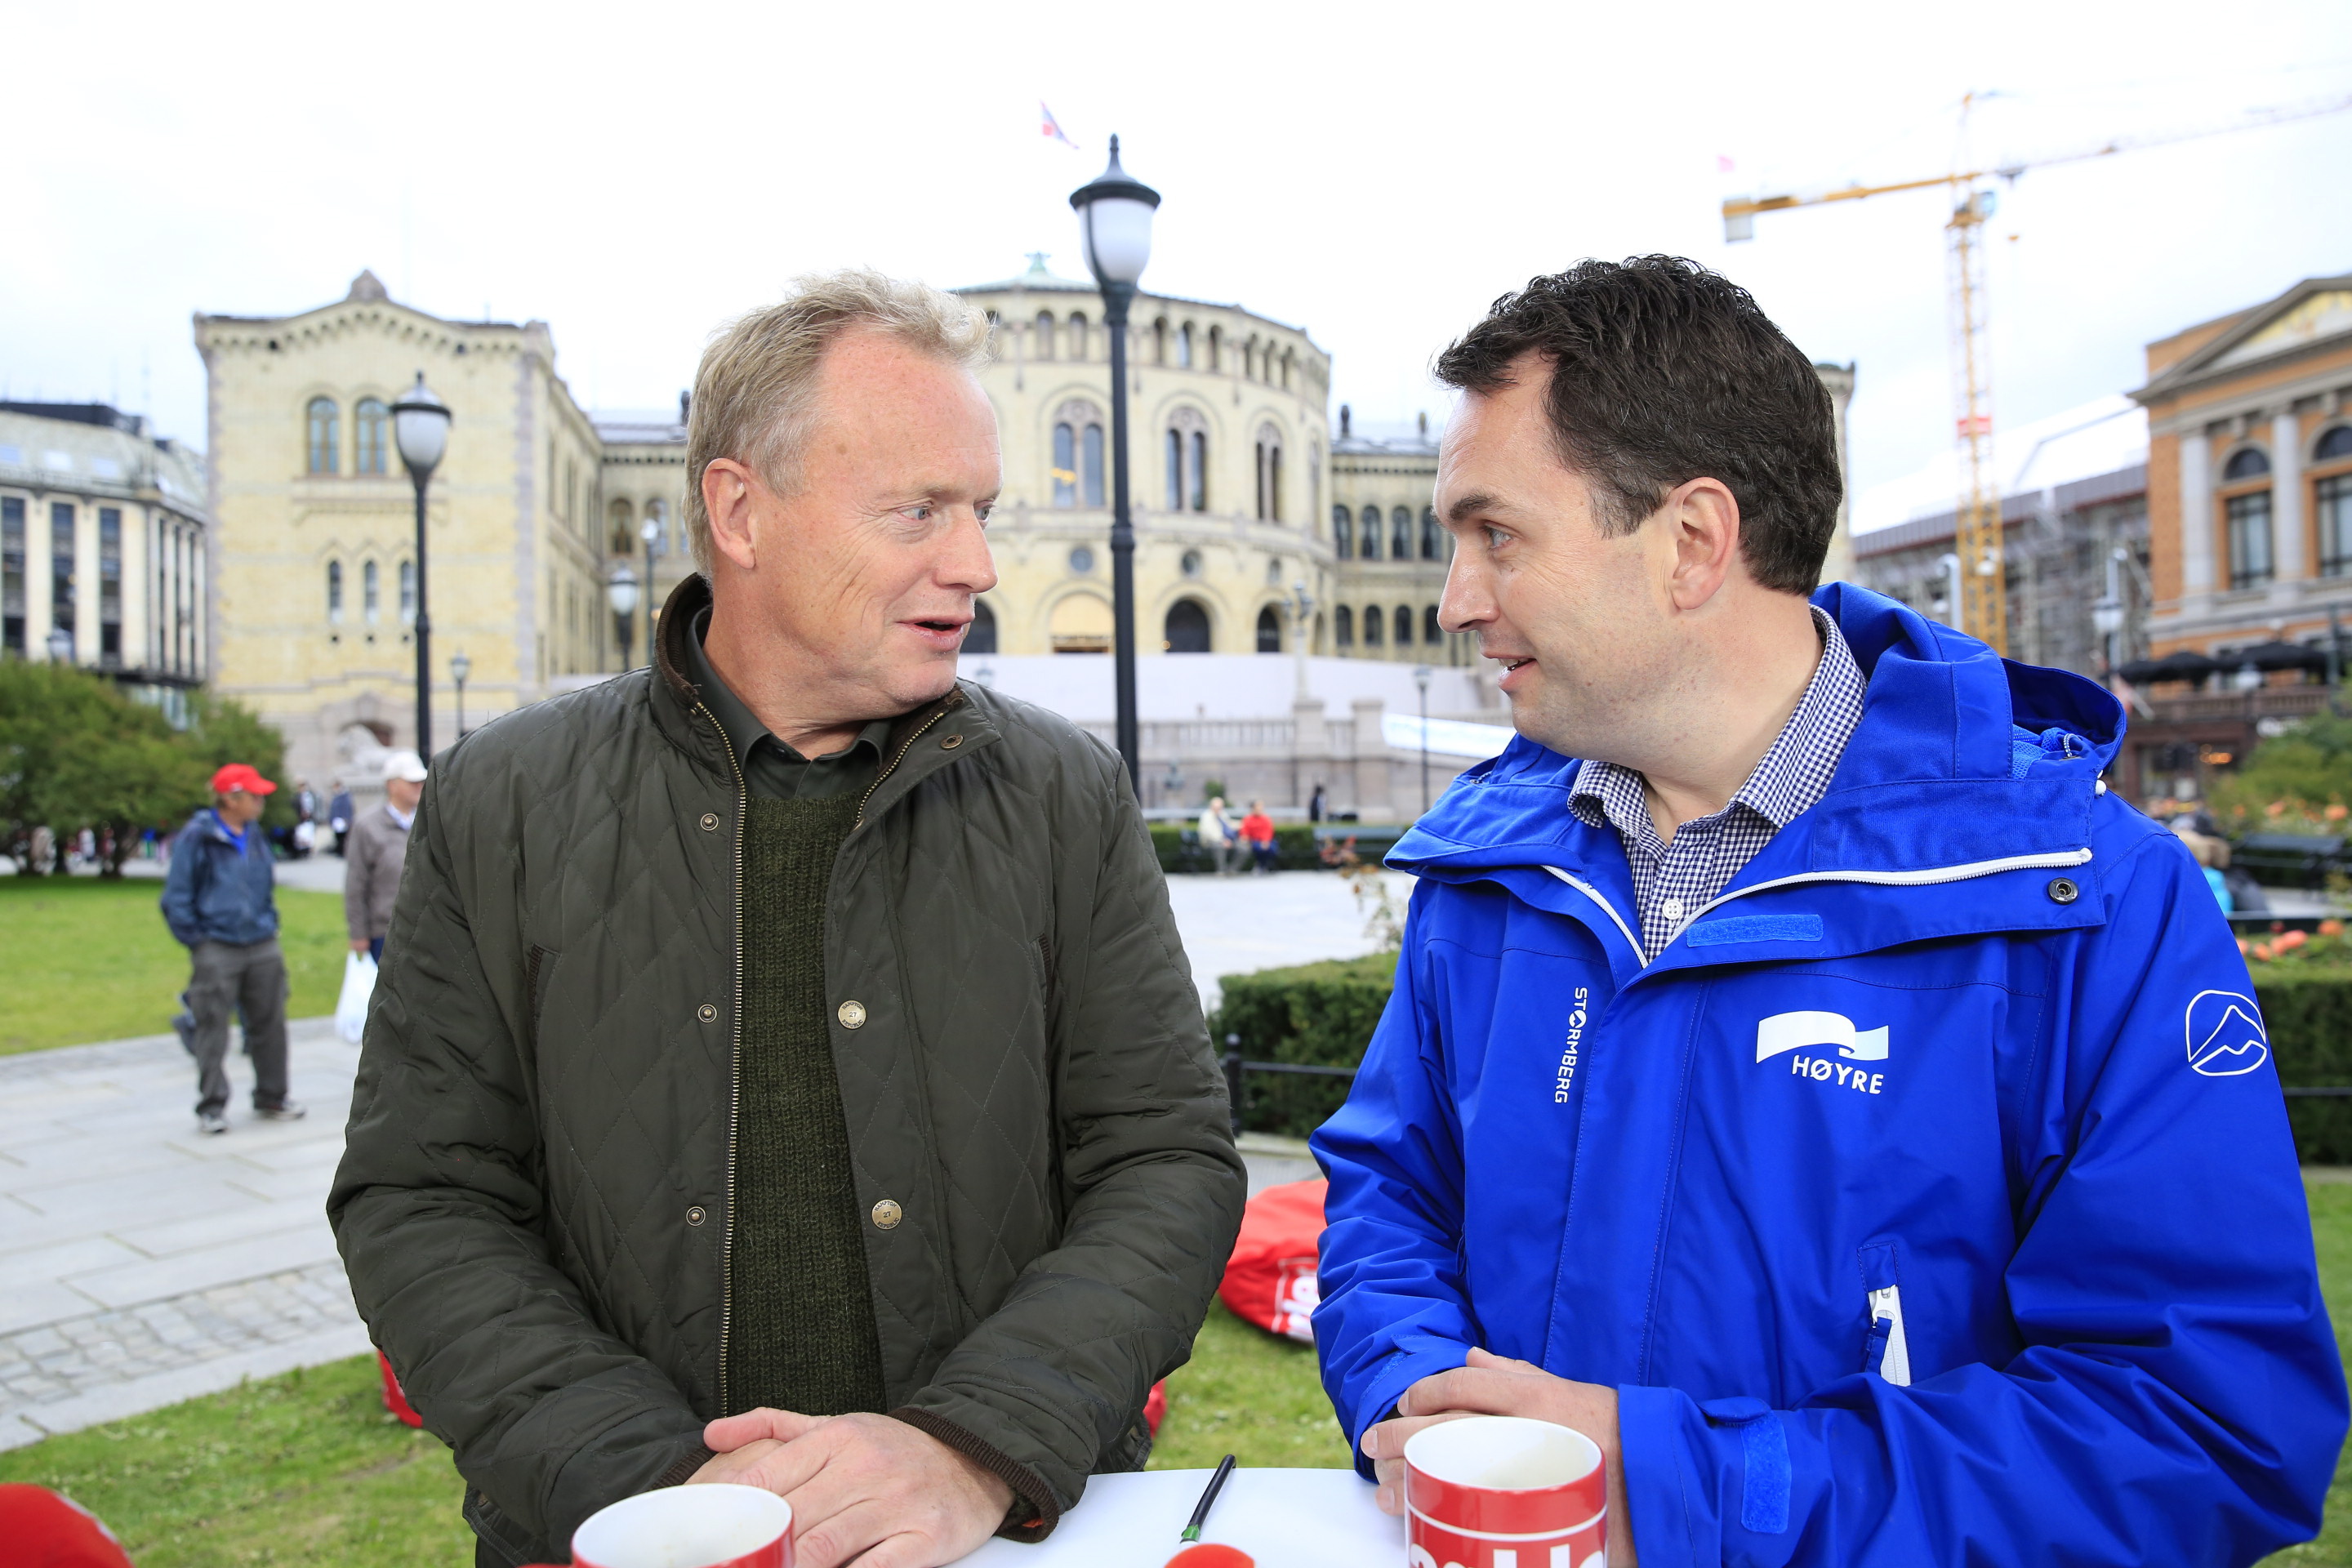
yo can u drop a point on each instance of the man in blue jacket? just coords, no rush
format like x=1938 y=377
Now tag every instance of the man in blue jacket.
x=220 y=902
x=1804 y=1077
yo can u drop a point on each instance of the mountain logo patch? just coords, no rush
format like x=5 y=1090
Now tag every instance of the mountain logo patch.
x=2225 y=1034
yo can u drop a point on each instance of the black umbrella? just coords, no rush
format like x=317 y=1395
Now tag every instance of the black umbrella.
x=2184 y=665
x=2272 y=656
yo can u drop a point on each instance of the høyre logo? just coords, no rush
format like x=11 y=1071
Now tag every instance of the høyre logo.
x=1796 y=1031
x=2226 y=1036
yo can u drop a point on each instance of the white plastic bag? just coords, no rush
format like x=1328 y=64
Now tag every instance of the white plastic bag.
x=359 y=985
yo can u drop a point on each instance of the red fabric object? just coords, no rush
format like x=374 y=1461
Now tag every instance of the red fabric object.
x=38 y=1529
x=1270 y=1279
x=1259 y=827
x=1155 y=1407
x=393 y=1400
x=241 y=776
x=1211 y=1555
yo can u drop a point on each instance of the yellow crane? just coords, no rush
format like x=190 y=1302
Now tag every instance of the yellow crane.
x=1981 y=590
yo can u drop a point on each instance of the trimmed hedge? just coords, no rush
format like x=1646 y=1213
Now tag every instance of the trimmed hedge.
x=1295 y=845
x=1320 y=1015
x=1324 y=1014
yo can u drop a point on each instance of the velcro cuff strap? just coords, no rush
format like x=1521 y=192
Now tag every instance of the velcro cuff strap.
x=1764 y=1461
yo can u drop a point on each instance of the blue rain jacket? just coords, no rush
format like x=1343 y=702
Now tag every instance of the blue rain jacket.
x=218 y=889
x=1929 y=1199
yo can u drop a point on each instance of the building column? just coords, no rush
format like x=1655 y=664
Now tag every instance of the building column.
x=1372 y=759
x=2196 y=512
x=2287 y=548
x=1310 y=749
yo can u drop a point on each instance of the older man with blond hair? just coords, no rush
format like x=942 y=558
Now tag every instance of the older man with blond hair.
x=785 y=1069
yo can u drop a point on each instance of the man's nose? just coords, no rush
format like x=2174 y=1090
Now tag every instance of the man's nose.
x=1466 y=605
x=967 y=563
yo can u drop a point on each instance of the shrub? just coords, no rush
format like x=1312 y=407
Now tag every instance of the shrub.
x=1294 y=848
x=1317 y=1014
x=2308 y=1012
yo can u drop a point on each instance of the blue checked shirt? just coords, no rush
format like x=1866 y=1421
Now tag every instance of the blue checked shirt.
x=1673 y=881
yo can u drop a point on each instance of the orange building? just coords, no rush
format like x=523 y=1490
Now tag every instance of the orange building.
x=2250 y=528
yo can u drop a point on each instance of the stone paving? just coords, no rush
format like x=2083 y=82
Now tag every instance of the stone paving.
x=142 y=1263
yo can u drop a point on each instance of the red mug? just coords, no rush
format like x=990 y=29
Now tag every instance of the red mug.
x=710 y=1526
x=1500 y=1491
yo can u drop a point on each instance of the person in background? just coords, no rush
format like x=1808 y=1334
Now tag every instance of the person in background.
x=378 y=845
x=1257 y=831
x=2212 y=854
x=220 y=902
x=1314 y=802
x=1217 y=835
x=339 y=815
x=306 y=817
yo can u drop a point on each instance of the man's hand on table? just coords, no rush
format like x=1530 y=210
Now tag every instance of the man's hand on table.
x=1496 y=1385
x=860 y=1484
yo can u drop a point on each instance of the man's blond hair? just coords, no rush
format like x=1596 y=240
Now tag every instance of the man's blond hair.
x=755 y=392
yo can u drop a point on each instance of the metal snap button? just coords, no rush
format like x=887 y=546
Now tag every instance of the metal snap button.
x=951 y=743
x=2063 y=890
x=695 y=1216
x=887 y=1214
x=709 y=822
x=706 y=1013
x=852 y=1015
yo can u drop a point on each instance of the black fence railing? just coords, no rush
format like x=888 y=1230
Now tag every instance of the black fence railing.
x=1237 y=1072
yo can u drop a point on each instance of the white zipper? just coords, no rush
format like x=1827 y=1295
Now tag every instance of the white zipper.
x=1894 y=1364
x=1589 y=891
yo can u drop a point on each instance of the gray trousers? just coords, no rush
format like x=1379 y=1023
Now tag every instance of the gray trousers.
x=250 y=979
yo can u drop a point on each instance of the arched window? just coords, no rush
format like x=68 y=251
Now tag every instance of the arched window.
x=1269 y=474
x=373 y=424
x=1175 y=459
x=621 y=539
x=1431 y=632
x=1187 y=628
x=1374 y=624
x=1403 y=626
x=1431 y=549
x=1401 y=534
x=657 y=513
x=2337 y=443
x=1217 y=349
x=326 y=435
x=1197 y=476
x=2247 y=517
x=1184 y=346
x=981 y=637
x=1044 y=336
x=408 y=593
x=1188 y=461
x=1077 y=337
x=1090 y=463
x=2252 y=463
x=1343 y=533
x=1269 y=631
x=1371 y=543
x=334 y=592
x=1191 y=563
x=1159 y=341
x=1065 y=465
x=368 y=598
x=1343 y=628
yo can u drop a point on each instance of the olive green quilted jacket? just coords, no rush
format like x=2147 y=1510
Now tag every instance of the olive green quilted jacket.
x=534 y=1203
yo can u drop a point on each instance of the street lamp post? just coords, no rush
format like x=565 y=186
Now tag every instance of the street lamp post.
x=1115 y=224
x=60 y=646
x=622 y=590
x=460 y=667
x=420 y=428
x=1421 y=678
x=1302 y=604
x=650 y=532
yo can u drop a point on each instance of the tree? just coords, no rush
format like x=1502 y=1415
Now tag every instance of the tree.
x=2300 y=779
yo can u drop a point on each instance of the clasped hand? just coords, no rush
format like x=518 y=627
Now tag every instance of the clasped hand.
x=1496 y=1385
x=860 y=1484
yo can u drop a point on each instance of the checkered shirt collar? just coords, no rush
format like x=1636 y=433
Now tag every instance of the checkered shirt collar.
x=1788 y=781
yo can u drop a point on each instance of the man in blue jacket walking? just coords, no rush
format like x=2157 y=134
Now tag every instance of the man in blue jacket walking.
x=220 y=902
x=1802 y=1077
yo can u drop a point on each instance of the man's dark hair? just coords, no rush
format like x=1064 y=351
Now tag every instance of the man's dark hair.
x=1662 y=371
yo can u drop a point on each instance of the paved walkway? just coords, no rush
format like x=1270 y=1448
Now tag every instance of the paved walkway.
x=144 y=1264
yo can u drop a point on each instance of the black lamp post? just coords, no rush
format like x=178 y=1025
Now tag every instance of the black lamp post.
x=1115 y=225
x=1421 y=678
x=621 y=589
x=460 y=667
x=420 y=428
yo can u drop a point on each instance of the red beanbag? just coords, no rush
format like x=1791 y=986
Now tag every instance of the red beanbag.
x=38 y=1529
x=1270 y=1279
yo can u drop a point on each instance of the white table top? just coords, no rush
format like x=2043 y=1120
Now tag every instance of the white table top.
x=1284 y=1519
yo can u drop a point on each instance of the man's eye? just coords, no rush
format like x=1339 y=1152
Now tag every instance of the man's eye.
x=1494 y=537
x=986 y=509
x=921 y=511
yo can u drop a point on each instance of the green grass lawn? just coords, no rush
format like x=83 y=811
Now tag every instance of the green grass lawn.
x=90 y=959
x=306 y=1470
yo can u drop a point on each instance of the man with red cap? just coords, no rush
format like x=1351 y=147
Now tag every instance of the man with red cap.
x=218 y=900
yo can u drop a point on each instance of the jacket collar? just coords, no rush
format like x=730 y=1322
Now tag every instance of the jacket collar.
x=1929 y=786
x=914 y=749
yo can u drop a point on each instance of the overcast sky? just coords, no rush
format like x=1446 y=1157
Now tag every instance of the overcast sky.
x=1373 y=173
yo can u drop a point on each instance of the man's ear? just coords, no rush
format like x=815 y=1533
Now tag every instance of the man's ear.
x=729 y=496
x=1703 y=517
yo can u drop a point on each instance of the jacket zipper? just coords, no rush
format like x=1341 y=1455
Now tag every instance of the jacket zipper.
x=892 y=765
x=734 y=1065
x=2058 y=860
x=1895 y=1360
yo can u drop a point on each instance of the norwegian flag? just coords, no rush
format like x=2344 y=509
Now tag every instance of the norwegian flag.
x=1053 y=127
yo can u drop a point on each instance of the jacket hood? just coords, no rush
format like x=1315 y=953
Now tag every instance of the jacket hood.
x=1962 y=756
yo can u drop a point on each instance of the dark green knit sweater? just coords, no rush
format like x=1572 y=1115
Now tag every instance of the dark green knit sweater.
x=801 y=1334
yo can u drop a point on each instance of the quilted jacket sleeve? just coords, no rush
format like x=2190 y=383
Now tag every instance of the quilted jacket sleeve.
x=437 y=1212
x=1056 y=1377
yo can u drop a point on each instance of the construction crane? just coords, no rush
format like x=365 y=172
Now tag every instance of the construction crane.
x=1981 y=577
